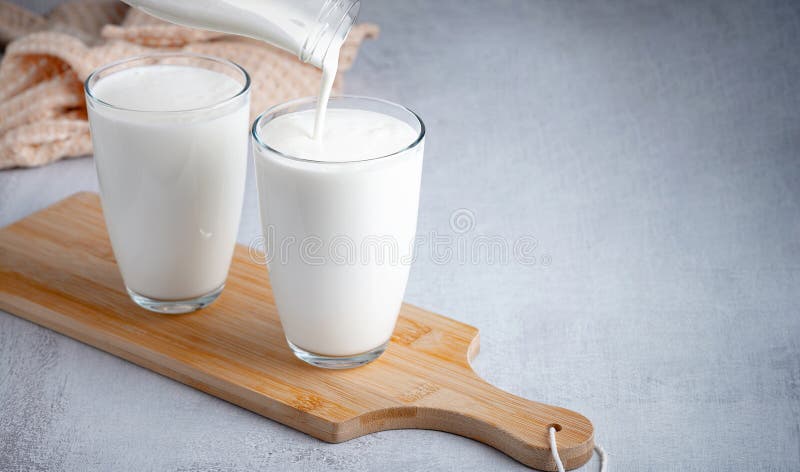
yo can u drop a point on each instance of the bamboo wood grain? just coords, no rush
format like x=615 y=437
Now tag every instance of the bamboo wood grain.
x=57 y=269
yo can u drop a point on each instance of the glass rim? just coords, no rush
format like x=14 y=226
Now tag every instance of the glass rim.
x=244 y=89
x=312 y=99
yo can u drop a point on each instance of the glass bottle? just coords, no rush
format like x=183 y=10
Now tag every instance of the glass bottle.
x=306 y=28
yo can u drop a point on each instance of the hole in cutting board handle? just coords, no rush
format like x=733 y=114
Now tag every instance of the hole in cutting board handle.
x=554 y=425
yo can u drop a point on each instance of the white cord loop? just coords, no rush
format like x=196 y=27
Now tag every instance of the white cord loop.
x=554 y=450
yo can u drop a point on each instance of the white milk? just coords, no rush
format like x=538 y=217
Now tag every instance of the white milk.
x=172 y=182
x=330 y=66
x=330 y=305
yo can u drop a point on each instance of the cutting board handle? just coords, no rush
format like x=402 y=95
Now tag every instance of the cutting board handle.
x=485 y=413
x=518 y=427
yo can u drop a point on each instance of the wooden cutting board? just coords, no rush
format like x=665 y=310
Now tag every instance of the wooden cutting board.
x=57 y=269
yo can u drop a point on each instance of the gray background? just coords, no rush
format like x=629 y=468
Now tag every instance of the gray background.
x=652 y=150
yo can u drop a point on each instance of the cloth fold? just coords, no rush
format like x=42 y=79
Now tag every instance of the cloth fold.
x=47 y=58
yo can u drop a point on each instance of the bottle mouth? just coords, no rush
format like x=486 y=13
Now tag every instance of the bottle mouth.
x=336 y=18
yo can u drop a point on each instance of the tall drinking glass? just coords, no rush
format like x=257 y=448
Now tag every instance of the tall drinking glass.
x=170 y=135
x=339 y=236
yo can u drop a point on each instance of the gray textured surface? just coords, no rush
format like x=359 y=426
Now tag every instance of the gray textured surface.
x=651 y=147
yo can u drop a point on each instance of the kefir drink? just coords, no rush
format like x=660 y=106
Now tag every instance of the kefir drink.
x=170 y=135
x=339 y=215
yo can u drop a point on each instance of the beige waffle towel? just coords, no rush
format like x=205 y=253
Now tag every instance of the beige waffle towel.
x=42 y=107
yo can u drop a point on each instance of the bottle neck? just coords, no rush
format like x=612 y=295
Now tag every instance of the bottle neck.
x=334 y=22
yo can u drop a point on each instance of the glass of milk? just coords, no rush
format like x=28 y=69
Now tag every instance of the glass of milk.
x=170 y=136
x=339 y=215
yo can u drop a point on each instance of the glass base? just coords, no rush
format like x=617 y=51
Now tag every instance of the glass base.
x=175 y=307
x=338 y=362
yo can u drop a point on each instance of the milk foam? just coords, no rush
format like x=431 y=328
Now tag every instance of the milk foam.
x=165 y=88
x=350 y=135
